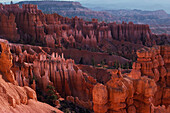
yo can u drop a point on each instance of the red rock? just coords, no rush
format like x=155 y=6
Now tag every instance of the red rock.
x=166 y=96
x=135 y=73
x=123 y=94
x=100 y=98
x=18 y=98
x=33 y=26
x=33 y=86
x=6 y=62
x=30 y=8
x=30 y=93
x=70 y=99
x=8 y=28
x=131 y=109
x=50 y=41
x=160 y=74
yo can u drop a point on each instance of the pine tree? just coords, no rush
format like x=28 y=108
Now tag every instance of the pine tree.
x=51 y=95
x=81 y=60
x=93 y=62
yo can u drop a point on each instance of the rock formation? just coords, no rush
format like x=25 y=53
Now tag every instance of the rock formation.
x=158 y=19
x=146 y=87
x=68 y=80
x=29 y=25
x=124 y=95
x=8 y=27
x=101 y=90
x=136 y=93
x=6 y=62
x=154 y=63
x=16 y=99
x=13 y=97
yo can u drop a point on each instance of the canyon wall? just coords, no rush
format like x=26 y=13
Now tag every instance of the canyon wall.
x=154 y=63
x=39 y=70
x=137 y=92
x=29 y=25
x=15 y=98
x=145 y=87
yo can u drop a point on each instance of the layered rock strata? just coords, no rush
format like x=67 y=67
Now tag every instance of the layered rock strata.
x=136 y=93
x=15 y=98
x=29 y=25
x=154 y=63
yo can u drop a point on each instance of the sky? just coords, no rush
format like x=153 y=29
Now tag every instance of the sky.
x=121 y=4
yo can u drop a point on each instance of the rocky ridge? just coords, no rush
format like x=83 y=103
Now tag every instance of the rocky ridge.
x=131 y=92
x=154 y=63
x=158 y=19
x=145 y=86
x=15 y=98
x=141 y=90
x=30 y=26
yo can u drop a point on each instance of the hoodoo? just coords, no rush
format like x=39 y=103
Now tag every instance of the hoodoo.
x=80 y=66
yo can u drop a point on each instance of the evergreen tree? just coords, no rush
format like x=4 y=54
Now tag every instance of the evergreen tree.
x=115 y=65
x=102 y=63
x=51 y=95
x=81 y=60
x=93 y=62
x=11 y=2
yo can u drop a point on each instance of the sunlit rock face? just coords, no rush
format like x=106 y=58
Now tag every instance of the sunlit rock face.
x=68 y=80
x=154 y=64
x=146 y=85
x=6 y=62
x=27 y=66
x=121 y=93
x=136 y=93
x=29 y=25
x=15 y=98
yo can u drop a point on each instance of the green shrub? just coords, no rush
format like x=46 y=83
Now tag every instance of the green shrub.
x=51 y=95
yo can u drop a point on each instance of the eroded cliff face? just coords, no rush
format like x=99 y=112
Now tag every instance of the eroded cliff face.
x=18 y=99
x=145 y=87
x=37 y=67
x=29 y=25
x=124 y=94
x=154 y=63
x=13 y=97
x=133 y=93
